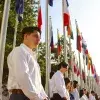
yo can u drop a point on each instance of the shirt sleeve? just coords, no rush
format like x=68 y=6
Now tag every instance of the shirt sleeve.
x=60 y=86
x=22 y=75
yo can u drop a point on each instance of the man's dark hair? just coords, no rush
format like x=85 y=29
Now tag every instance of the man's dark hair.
x=67 y=80
x=75 y=83
x=29 y=30
x=62 y=64
x=92 y=92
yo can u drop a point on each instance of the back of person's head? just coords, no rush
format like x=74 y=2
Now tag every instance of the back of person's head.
x=92 y=92
x=67 y=80
x=62 y=64
x=29 y=30
x=75 y=83
x=81 y=93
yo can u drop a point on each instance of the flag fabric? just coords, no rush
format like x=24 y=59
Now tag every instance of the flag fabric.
x=51 y=34
x=66 y=16
x=75 y=69
x=59 y=44
x=51 y=2
x=69 y=31
x=83 y=76
x=39 y=17
x=78 y=72
x=93 y=69
x=79 y=38
x=19 y=6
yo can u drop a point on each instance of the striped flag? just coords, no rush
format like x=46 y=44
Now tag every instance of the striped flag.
x=79 y=38
x=51 y=34
x=39 y=17
x=66 y=16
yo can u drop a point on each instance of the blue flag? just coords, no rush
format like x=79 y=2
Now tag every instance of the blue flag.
x=51 y=2
x=19 y=6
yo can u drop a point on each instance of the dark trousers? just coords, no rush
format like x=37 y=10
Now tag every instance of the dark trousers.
x=56 y=96
x=17 y=96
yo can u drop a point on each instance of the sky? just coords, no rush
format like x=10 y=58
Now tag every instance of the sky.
x=86 y=12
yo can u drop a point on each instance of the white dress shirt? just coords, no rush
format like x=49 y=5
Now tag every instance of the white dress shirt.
x=24 y=73
x=84 y=97
x=76 y=94
x=57 y=84
x=91 y=97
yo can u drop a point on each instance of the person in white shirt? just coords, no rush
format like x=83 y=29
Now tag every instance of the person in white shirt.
x=24 y=81
x=92 y=96
x=83 y=94
x=75 y=92
x=57 y=84
x=68 y=85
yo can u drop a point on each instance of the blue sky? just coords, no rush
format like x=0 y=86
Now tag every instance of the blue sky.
x=86 y=12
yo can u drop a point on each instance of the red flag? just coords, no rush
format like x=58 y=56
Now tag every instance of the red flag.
x=78 y=72
x=75 y=69
x=93 y=69
x=39 y=17
x=66 y=16
x=79 y=38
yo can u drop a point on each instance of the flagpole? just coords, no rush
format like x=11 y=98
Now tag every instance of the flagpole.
x=47 y=49
x=65 y=48
x=57 y=51
x=15 y=33
x=3 y=39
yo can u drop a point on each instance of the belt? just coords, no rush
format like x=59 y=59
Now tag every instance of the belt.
x=16 y=91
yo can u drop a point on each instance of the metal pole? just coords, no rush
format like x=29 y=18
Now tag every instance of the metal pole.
x=80 y=68
x=15 y=33
x=3 y=39
x=47 y=49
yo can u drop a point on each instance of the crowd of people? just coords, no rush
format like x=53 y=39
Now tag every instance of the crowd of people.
x=64 y=89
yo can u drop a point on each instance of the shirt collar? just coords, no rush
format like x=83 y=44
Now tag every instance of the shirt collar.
x=60 y=73
x=27 y=48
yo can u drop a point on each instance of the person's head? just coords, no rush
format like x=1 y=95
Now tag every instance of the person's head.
x=75 y=84
x=63 y=67
x=31 y=36
x=93 y=93
x=81 y=93
x=67 y=83
x=85 y=91
x=71 y=87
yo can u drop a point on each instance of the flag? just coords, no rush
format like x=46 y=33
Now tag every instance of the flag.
x=39 y=17
x=19 y=6
x=51 y=34
x=69 y=31
x=84 y=45
x=66 y=16
x=59 y=44
x=83 y=76
x=79 y=38
x=75 y=69
x=51 y=2
x=92 y=68
x=78 y=72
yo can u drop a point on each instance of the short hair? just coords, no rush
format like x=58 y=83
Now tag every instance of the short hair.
x=63 y=64
x=67 y=80
x=92 y=92
x=75 y=83
x=30 y=29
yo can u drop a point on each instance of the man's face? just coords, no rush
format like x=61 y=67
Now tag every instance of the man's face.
x=64 y=69
x=33 y=39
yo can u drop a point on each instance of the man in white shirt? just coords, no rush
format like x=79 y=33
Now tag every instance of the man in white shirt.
x=57 y=84
x=92 y=96
x=24 y=81
x=75 y=91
